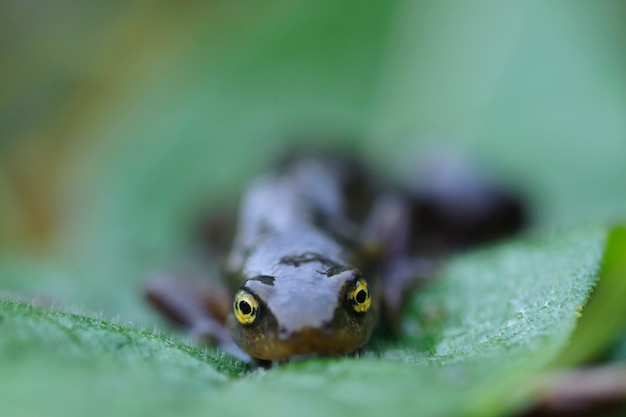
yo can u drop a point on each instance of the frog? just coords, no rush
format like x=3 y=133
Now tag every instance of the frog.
x=323 y=254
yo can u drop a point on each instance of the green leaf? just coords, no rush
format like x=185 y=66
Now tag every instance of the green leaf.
x=496 y=315
x=498 y=302
x=605 y=317
x=72 y=336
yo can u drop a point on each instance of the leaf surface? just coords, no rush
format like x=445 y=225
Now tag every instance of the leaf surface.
x=498 y=314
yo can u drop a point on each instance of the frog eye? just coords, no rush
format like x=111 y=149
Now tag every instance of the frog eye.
x=359 y=296
x=246 y=308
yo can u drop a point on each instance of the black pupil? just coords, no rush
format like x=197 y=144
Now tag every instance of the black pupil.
x=244 y=307
x=361 y=296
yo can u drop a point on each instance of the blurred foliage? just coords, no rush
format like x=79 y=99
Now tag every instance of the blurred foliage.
x=121 y=122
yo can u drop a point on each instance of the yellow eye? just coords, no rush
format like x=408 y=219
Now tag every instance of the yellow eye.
x=359 y=296
x=246 y=308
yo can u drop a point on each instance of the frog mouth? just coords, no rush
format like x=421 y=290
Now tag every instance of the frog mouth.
x=311 y=342
x=307 y=342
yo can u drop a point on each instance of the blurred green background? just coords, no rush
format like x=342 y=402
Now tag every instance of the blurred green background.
x=120 y=122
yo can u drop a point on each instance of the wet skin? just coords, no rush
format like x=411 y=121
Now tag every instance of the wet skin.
x=302 y=277
x=310 y=273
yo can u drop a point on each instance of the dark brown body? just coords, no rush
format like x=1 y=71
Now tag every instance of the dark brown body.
x=297 y=251
x=311 y=230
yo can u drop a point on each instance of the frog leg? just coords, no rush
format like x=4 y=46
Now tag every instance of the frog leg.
x=457 y=205
x=213 y=231
x=387 y=236
x=198 y=305
x=446 y=206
